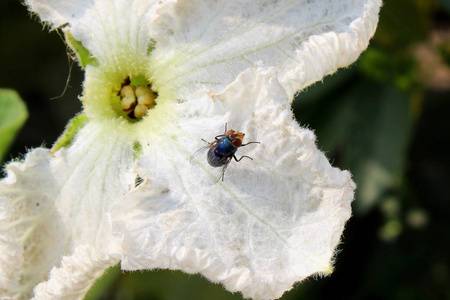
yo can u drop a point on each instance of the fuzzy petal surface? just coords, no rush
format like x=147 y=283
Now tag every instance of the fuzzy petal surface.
x=52 y=203
x=76 y=275
x=211 y=42
x=208 y=43
x=273 y=221
x=109 y=29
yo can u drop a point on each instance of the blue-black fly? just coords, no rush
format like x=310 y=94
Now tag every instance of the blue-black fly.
x=223 y=149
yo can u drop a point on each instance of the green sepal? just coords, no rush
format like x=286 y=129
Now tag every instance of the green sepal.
x=71 y=130
x=84 y=56
x=13 y=114
x=151 y=46
x=137 y=148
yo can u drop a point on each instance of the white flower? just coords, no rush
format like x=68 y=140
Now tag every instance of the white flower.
x=124 y=190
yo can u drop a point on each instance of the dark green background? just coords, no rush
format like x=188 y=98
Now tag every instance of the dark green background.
x=383 y=118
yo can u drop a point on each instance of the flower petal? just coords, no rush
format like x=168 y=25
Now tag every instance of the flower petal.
x=77 y=274
x=53 y=202
x=273 y=221
x=211 y=42
x=109 y=29
x=28 y=218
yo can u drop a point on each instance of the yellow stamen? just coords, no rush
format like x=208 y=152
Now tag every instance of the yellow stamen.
x=140 y=110
x=145 y=96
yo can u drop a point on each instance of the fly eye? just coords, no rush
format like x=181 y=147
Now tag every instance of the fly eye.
x=230 y=132
x=237 y=143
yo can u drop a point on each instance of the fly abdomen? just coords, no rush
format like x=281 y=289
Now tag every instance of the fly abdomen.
x=215 y=159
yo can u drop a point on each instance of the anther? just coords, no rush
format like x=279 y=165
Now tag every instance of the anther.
x=145 y=96
x=136 y=102
x=127 y=91
x=140 y=110
x=128 y=98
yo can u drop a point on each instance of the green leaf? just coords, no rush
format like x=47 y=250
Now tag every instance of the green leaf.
x=366 y=129
x=322 y=89
x=104 y=286
x=378 y=142
x=69 y=133
x=157 y=284
x=404 y=22
x=84 y=56
x=13 y=114
x=387 y=66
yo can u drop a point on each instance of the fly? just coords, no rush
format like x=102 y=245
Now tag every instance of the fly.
x=223 y=149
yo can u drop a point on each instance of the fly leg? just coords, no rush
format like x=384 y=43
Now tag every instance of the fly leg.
x=250 y=143
x=234 y=156
x=223 y=171
x=220 y=136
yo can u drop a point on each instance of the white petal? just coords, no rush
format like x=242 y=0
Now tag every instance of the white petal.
x=274 y=221
x=109 y=29
x=209 y=43
x=51 y=203
x=27 y=217
x=77 y=274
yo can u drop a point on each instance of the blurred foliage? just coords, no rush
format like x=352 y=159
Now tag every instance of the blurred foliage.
x=35 y=64
x=12 y=116
x=369 y=126
x=385 y=118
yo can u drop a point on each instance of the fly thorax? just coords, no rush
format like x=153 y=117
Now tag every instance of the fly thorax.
x=226 y=147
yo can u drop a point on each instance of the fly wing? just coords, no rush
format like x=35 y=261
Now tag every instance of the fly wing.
x=215 y=175
x=200 y=154
x=198 y=160
x=222 y=169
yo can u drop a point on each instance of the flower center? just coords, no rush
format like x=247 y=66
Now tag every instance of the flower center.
x=136 y=97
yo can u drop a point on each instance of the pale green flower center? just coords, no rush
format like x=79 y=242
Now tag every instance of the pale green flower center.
x=118 y=87
x=115 y=93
